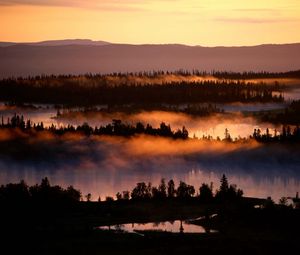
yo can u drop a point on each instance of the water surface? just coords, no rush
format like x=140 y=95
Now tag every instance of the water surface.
x=167 y=226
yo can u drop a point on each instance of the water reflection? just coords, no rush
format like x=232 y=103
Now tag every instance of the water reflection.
x=176 y=226
x=102 y=182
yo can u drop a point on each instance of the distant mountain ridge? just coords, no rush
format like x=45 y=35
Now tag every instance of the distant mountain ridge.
x=57 y=43
x=86 y=56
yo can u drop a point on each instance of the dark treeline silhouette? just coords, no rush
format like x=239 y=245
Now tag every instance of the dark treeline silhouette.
x=145 y=191
x=288 y=134
x=256 y=75
x=44 y=193
x=117 y=127
x=100 y=89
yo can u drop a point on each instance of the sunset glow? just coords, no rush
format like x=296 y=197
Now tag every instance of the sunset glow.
x=207 y=22
x=149 y=126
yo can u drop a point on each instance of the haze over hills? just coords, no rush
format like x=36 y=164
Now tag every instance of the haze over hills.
x=86 y=56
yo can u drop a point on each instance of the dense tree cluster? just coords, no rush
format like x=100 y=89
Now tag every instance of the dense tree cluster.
x=44 y=193
x=256 y=75
x=226 y=191
x=287 y=135
x=144 y=191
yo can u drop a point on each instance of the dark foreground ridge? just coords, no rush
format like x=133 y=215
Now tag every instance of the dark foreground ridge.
x=46 y=219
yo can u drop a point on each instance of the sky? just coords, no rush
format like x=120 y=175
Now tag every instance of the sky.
x=192 y=22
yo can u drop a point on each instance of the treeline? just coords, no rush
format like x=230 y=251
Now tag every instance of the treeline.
x=93 y=90
x=44 y=193
x=288 y=134
x=256 y=75
x=116 y=128
x=143 y=191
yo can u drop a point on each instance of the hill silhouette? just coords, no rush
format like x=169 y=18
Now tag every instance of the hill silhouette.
x=57 y=43
x=84 y=56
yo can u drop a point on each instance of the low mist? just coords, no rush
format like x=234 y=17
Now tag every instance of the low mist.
x=237 y=124
x=105 y=165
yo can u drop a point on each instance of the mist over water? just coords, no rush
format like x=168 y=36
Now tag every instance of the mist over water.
x=215 y=125
x=104 y=166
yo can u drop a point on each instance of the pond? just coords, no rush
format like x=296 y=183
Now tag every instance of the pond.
x=176 y=226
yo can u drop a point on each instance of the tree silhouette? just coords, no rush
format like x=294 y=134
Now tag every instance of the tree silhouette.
x=184 y=190
x=206 y=193
x=73 y=193
x=171 y=189
x=227 y=192
x=141 y=191
x=162 y=189
x=224 y=184
x=126 y=195
x=43 y=194
x=119 y=196
x=88 y=197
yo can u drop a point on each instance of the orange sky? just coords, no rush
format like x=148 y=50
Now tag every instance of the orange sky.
x=194 y=22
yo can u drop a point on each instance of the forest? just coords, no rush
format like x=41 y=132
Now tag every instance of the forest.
x=116 y=128
x=135 y=89
x=257 y=75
